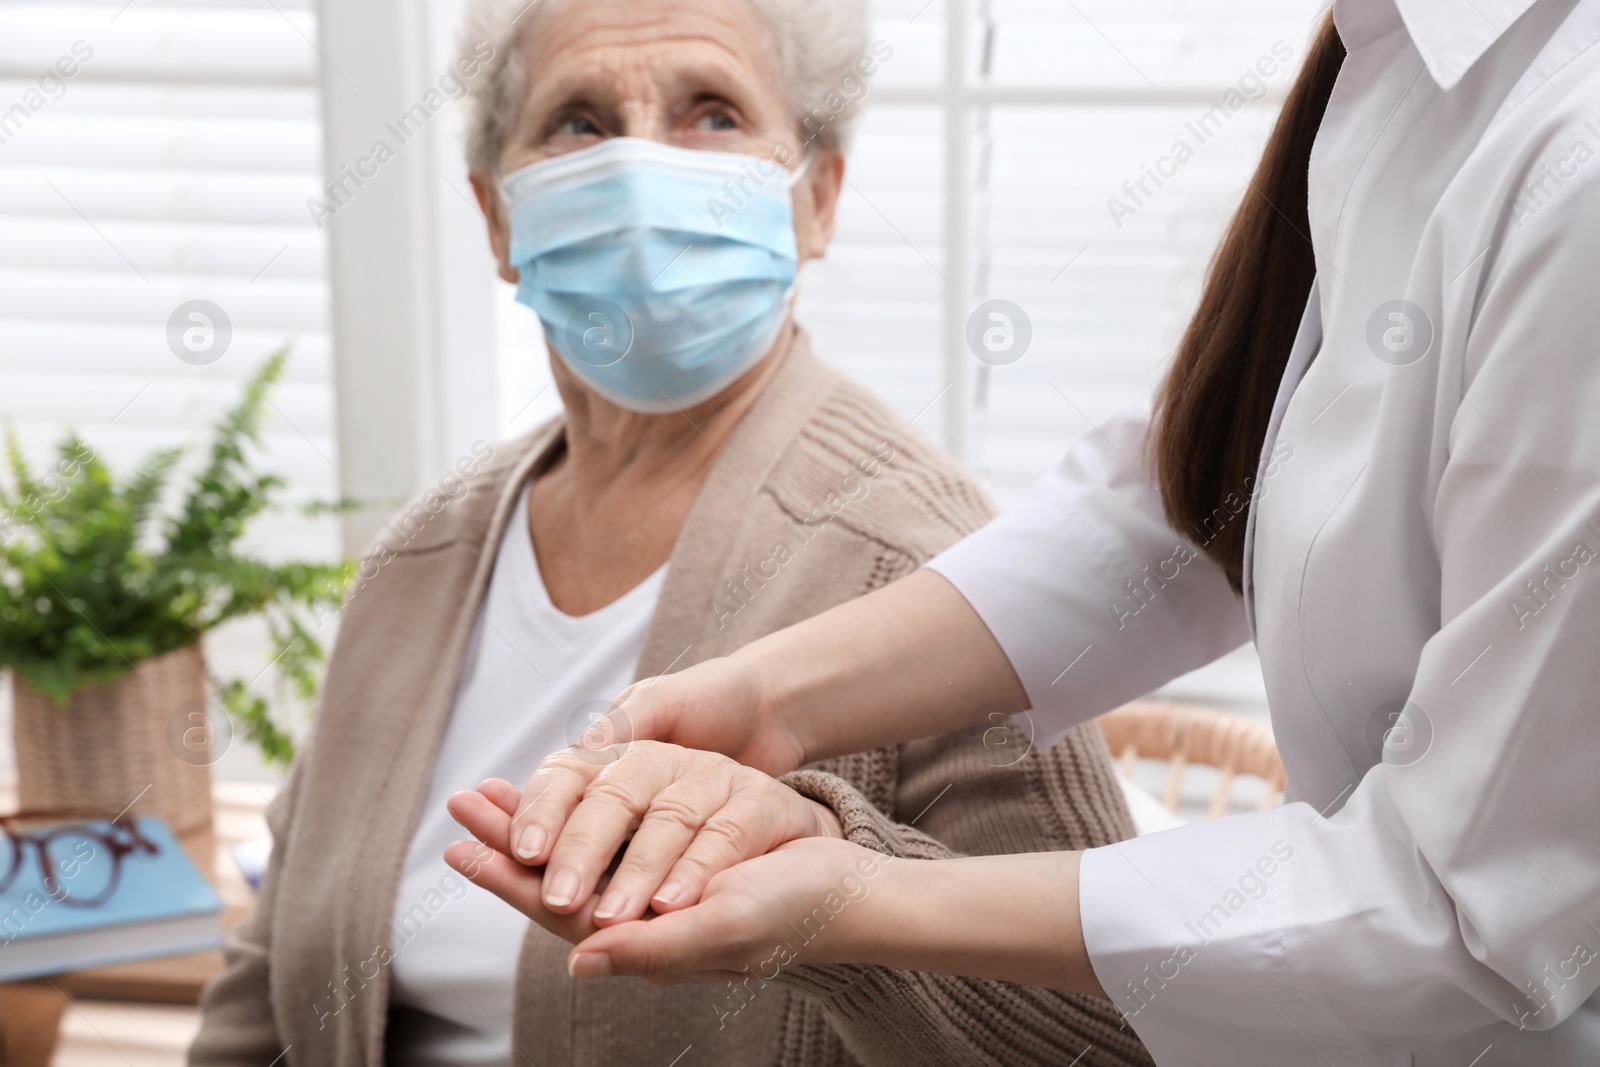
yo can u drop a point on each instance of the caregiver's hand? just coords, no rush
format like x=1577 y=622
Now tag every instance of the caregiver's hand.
x=910 y=660
x=691 y=814
x=809 y=901
x=1013 y=918
x=717 y=706
x=816 y=900
x=730 y=923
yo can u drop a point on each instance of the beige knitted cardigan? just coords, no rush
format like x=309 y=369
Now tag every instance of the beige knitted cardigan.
x=822 y=494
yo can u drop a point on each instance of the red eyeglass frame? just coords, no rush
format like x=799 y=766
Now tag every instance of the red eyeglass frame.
x=120 y=841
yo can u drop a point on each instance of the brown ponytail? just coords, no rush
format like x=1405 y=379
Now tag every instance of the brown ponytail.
x=1213 y=410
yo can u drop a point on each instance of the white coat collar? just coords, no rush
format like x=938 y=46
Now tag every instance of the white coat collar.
x=1451 y=35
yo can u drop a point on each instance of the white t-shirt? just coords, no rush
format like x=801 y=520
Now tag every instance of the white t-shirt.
x=531 y=680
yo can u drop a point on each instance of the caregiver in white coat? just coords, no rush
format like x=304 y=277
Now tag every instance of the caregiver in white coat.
x=1389 y=478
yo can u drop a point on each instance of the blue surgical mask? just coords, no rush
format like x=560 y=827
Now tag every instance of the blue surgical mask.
x=661 y=274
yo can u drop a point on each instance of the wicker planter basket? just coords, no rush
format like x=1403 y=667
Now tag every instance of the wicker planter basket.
x=111 y=744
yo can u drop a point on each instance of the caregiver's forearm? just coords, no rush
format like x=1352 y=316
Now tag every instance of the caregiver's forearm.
x=910 y=660
x=1012 y=918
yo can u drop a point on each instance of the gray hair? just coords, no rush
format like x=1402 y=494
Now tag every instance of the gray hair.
x=820 y=48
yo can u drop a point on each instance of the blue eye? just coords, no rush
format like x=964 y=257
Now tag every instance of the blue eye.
x=580 y=127
x=718 y=122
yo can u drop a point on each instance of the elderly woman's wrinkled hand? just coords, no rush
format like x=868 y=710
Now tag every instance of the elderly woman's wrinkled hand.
x=487 y=862
x=690 y=815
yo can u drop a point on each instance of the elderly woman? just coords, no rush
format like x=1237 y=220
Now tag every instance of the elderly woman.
x=653 y=173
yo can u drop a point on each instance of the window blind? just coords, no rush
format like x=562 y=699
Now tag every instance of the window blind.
x=171 y=165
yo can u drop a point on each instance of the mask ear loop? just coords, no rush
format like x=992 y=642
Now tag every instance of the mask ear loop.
x=505 y=204
x=798 y=175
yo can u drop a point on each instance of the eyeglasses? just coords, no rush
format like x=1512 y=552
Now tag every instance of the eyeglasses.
x=81 y=859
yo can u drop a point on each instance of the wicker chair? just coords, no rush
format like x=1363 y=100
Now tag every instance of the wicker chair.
x=1185 y=736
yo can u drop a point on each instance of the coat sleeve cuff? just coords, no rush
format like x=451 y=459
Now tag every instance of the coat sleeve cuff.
x=1182 y=929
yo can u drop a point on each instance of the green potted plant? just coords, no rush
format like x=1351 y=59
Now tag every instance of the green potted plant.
x=104 y=599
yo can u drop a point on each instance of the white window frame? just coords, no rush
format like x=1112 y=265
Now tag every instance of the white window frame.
x=963 y=99
x=412 y=315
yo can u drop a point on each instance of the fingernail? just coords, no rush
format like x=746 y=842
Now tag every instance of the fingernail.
x=530 y=843
x=589 y=965
x=669 y=893
x=611 y=905
x=562 y=888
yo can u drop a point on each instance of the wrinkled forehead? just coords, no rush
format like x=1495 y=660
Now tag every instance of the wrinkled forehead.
x=608 y=51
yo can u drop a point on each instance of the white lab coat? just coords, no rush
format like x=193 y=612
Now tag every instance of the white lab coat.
x=1426 y=536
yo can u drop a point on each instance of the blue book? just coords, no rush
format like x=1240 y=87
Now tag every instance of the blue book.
x=110 y=894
